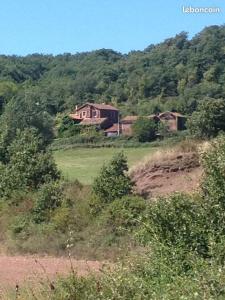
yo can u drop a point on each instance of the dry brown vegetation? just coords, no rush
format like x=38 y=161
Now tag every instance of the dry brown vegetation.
x=169 y=170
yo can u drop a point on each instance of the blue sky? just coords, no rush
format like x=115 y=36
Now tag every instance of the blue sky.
x=59 y=26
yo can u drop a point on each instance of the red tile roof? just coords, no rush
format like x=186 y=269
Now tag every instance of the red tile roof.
x=113 y=128
x=93 y=121
x=75 y=117
x=176 y=114
x=130 y=118
x=99 y=106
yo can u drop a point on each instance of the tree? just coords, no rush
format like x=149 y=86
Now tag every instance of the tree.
x=29 y=165
x=208 y=119
x=144 y=129
x=22 y=112
x=175 y=69
x=49 y=197
x=113 y=181
x=213 y=162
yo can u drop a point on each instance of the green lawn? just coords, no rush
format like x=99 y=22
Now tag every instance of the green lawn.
x=84 y=163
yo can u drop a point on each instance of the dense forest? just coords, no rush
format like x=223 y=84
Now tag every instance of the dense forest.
x=173 y=75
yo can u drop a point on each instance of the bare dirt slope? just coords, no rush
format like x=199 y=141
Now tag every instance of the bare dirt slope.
x=179 y=172
x=15 y=270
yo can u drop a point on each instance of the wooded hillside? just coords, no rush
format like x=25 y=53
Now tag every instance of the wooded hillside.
x=174 y=74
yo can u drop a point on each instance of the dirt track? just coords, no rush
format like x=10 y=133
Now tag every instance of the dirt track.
x=15 y=270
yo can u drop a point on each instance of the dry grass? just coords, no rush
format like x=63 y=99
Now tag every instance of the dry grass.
x=167 y=153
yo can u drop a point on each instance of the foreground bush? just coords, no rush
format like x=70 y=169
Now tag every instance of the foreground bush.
x=179 y=222
x=29 y=164
x=209 y=118
x=124 y=214
x=49 y=197
x=113 y=181
x=140 y=278
x=181 y=245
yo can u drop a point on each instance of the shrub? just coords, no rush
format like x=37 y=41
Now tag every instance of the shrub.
x=144 y=130
x=20 y=224
x=29 y=164
x=178 y=222
x=208 y=119
x=125 y=213
x=22 y=112
x=143 y=278
x=113 y=182
x=213 y=186
x=67 y=127
x=163 y=130
x=49 y=197
x=214 y=177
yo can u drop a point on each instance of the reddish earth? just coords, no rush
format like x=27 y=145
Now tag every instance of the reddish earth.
x=15 y=270
x=176 y=173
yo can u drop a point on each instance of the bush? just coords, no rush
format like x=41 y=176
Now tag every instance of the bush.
x=29 y=164
x=209 y=118
x=163 y=130
x=49 y=197
x=124 y=214
x=143 y=278
x=144 y=130
x=213 y=187
x=67 y=127
x=179 y=222
x=113 y=182
x=20 y=224
x=214 y=177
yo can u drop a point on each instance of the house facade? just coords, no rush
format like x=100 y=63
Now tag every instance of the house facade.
x=113 y=130
x=106 y=117
x=128 y=121
x=173 y=121
x=101 y=115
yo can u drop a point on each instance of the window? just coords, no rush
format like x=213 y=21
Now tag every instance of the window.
x=83 y=113
x=94 y=113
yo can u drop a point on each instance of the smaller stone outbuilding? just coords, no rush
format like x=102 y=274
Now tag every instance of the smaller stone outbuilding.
x=114 y=130
x=127 y=123
x=174 y=121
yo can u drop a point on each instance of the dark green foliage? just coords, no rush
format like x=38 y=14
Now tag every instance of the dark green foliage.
x=178 y=222
x=22 y=112
x=213 y=187
x=214 y=177
x=49 y=197
x=124 y=214
x=8 y=89
x=209 y=118
x=113 y=182
x=174 y=74
x=162 y=130
x=29 y=164
x=144 y=130
x=68 y=127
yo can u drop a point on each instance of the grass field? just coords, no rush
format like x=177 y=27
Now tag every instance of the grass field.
x=84 y=163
